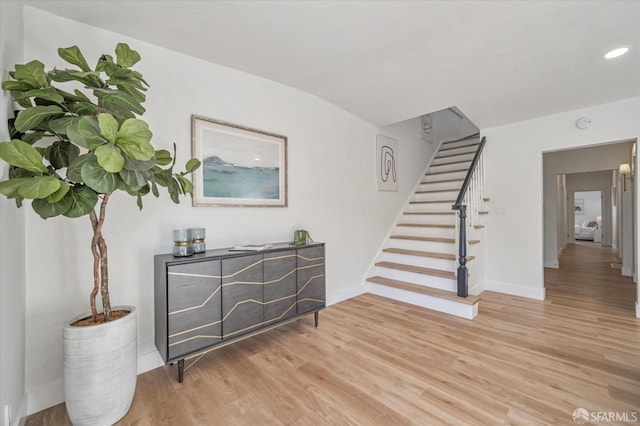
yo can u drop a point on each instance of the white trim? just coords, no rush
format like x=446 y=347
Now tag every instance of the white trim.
x=554 y=265
x=516 y=290
x=149 y=361
x=637 y=310
x=344 y=294
x=477 y=288
x=45 y=396
x=20 y=416
x=626 y=271
x=458 y=309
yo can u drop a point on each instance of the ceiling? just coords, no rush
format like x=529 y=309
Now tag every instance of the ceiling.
x=387 y=61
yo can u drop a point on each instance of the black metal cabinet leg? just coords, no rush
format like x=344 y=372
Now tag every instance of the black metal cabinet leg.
x=180 y=370
x=316 y=314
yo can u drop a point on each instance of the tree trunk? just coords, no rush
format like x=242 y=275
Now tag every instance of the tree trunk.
x=100 y=263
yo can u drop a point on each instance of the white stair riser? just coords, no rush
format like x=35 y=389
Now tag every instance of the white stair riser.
x=421 y=245
x=414 y=278
x=434 y=196
x=425 y=262
x=447 y=306
x=446 y=171
x=439 y=219
x=424 y=232
x=439 y=185
x=430 y=207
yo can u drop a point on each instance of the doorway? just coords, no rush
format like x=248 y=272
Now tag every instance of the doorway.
x=587 y=214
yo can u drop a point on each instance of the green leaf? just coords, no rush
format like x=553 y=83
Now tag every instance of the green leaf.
x=83 y=108
x=62 y=153
x=33 y=137
x=30 y=118
x=121 y=104
x=126 y=57
x=59 y=125
x=185 y=184
x=108 y=126
x=32 y=73
x=59 y=194
x=21 y=154
x=19 y=86
x=83 y=201
x=86 y=133
x=174 y=191
x=97 y=178
x=39 y=187
x=88 y=78
x=49 y=93
x=138 y=166
x=110 y=158
x=192 y=165
x=134 y=179
x=74 y=56
x=154 y=188
x=163 y=157
x=9 y=188
x=74 y=169
x=46 y=208
x=133 y=137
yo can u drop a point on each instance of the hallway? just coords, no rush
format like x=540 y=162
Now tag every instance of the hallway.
x=586 y=280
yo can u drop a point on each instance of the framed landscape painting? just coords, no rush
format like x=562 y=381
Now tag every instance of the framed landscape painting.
x=240 y=166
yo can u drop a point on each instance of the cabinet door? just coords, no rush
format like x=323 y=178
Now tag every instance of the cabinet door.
x=310 y=280
x=242 y=295
x=194 y=307
x=279 y=286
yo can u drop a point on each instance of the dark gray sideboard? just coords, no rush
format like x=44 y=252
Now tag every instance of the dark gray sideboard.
x=212 y=298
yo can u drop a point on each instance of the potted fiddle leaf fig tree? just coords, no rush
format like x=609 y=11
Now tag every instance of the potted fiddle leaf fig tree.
x=72 y=149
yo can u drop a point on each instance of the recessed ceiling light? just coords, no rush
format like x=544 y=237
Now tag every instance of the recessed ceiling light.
x=616 y=52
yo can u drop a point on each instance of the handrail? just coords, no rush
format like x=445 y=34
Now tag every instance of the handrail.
x=463 y=274
x=467 y=179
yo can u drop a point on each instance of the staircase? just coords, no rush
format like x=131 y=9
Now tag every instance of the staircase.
x=419 y=260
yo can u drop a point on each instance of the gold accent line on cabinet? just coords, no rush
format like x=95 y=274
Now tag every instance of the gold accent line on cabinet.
x=310 y=259
x=244 y=269
x=280 y=257
x=199 y=336
x=197 y=306
x=194 y=329
x=307 y=283
x=309 y=266
x=184 y=274
x=281 y=278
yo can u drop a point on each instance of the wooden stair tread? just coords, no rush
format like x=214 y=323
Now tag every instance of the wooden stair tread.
x=417 y=269
x=441 y=181
x=445 y=172
x=473 y=242
x=451 y=213
x=427 y=291
x=453 y=155
x=432 y=202
x=486 y=199
x=420 y=253
x=450 y=163
x=431 y=239
x=483 y=212
x=475 y=135
x=433 y=191
x=459 y=147
x=427 y=225
x=478 y=226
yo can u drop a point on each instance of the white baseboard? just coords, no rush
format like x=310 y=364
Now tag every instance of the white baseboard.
x=20 y=416
x=554 y=265
x=477 y=288
x=149 y=360
x=626 y=271
x=45 y=396
x=516 y=290
x=637 y=310
x=344 y=294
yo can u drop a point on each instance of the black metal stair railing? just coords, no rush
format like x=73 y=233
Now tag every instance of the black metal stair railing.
x=463 y=272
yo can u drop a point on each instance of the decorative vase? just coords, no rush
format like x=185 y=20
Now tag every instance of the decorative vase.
x=100 y=369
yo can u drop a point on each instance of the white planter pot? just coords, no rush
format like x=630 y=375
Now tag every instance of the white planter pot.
x=100 y=369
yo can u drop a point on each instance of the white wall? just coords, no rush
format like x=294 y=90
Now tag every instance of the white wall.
x=514 y=169
x=448 y=125
x=331 y=192
x=592 y=206
x=12 y=229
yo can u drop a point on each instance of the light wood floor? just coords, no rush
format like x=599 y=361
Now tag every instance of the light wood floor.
x=374 y=361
